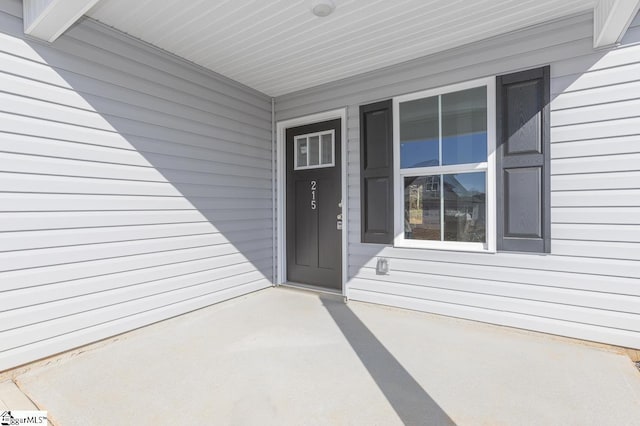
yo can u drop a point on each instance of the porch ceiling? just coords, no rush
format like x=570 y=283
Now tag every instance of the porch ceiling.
x=278 y=46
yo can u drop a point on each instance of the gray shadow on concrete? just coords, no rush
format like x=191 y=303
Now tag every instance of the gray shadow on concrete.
x=410 y=401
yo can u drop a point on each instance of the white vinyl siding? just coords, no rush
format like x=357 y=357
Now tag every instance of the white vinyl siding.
x=133 y=187
x=588 y=287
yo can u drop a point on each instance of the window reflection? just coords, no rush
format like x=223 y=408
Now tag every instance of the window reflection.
x=465 y=207
x=463 y=117
x=445 y=203
x=302 y=152
x=419 y=133
x=422 y=207
x=327 y=149
x=464 y=126
x=314 y=150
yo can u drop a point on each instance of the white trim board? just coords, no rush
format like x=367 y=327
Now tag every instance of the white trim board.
x=611 y=20
x=282 y=126
x=49 y=19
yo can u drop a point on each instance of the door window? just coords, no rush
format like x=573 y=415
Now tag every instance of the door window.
x=315 y=150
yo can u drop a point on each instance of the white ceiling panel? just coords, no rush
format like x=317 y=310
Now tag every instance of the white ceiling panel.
x=279 y=46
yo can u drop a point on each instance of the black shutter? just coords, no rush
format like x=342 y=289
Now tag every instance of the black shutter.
x=376 y=172
x=523 y=161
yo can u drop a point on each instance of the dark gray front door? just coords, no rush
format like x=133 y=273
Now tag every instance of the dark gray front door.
x=314 y=205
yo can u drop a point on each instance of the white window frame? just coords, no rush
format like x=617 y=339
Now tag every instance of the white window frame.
x=489 y=167
x=308 y=136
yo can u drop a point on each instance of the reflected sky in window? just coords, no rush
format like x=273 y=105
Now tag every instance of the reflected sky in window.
x=458 y=149
x=466 y=183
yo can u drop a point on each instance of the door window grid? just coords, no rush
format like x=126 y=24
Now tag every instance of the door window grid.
x=314 y=150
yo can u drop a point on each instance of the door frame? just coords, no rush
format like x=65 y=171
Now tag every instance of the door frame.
x=281 y=189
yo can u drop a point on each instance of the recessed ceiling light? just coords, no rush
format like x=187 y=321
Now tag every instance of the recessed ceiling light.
x=322 y=8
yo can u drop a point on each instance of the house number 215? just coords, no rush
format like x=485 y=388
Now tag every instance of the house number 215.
x=314 y=186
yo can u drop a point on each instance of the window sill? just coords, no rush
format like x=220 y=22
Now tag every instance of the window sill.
x=444 y=246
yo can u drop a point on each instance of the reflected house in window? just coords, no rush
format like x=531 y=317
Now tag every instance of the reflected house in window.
x=423 y=207
x=464 y=207
x=463 y=212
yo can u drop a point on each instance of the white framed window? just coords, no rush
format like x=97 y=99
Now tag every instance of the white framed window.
x=444 y=167
x=314 y=150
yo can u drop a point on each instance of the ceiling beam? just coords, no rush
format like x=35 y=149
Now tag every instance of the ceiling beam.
x=611 y=18
x=48 y=19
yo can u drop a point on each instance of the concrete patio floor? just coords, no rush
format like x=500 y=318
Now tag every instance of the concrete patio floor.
x=282 y=356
